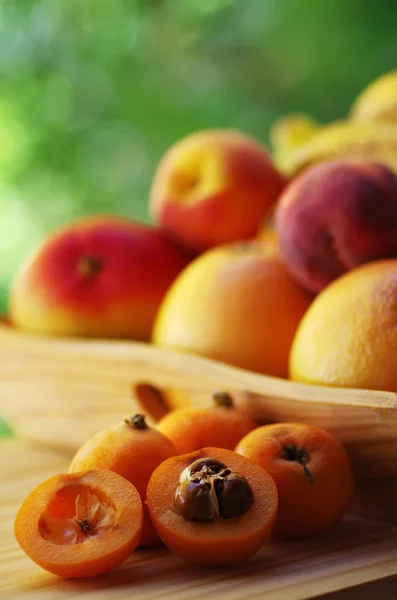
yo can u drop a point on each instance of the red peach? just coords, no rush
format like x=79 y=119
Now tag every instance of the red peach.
x=213 y=187
x=336 y=216
x=101 y=276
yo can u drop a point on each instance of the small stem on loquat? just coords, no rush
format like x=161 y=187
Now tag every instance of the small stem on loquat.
x=308 y=473
x=222 y=399
x=137 y=422
x=293 y=454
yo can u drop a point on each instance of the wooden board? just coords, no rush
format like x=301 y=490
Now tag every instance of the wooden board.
x=359 y=551
x=58 y=392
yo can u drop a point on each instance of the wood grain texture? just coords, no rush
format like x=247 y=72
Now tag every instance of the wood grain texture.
x=51 y=390
x=359 y=551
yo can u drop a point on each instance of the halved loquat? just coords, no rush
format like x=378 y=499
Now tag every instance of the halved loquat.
x=131 y=449
x=81 y=524
x=212 y=506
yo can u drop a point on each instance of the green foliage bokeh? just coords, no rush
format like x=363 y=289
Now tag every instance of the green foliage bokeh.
x=92 y=92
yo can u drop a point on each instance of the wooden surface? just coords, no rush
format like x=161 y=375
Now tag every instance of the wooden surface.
x=360 y=551
x=58 y=392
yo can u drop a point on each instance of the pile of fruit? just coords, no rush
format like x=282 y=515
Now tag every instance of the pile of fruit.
x=207 y=483
x=283 y=263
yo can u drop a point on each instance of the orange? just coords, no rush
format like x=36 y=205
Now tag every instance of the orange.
x=348 y=337
x=235 y=303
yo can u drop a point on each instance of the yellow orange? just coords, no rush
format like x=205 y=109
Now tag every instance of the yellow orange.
x=235 y=303
x=348 y=337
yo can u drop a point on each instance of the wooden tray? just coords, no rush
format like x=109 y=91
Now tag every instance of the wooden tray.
x=57 y=392
x=359 y=551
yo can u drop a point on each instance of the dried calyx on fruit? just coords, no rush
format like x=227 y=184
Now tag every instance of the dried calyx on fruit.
x=222 y=399
x=209 y=490
x=294 y=454
x=137 y=421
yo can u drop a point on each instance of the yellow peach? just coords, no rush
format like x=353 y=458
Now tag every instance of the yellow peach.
x=235 y=303
x=97 y=277
x=213 y=187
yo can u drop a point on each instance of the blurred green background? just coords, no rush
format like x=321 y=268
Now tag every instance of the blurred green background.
x=92 y=92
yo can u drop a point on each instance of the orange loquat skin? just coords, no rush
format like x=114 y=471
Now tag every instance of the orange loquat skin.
x=213 y=187
x=101 y=276
x=133 y=450
x=221 y=425
x=221 y=541
x=81 y=524
x=312 y=472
